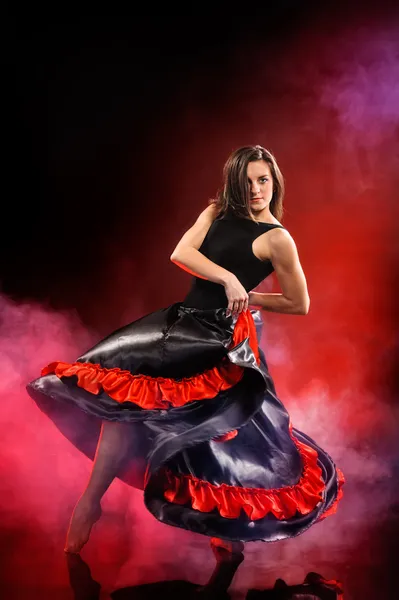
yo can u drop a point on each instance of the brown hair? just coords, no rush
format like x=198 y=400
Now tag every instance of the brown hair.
x=234 y=197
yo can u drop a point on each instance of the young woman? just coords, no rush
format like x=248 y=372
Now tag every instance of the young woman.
x=187 y=407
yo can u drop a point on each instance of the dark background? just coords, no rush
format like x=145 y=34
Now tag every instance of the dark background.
x=94 y=151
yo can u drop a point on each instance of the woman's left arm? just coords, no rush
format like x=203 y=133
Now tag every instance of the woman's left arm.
x=294 y=298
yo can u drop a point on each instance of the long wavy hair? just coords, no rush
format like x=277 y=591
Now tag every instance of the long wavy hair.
x=235 y=195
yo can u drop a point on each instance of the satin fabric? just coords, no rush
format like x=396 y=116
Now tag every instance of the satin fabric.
x=229 y=500
x=151 y=392
x=184 y=438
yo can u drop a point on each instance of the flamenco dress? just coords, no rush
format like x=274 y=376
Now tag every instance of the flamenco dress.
x=214 y=449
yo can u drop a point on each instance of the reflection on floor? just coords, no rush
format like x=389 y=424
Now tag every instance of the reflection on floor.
x=314 y=587
x=131 y=555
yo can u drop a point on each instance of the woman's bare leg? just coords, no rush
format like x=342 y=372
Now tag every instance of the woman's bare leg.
x=110 y=459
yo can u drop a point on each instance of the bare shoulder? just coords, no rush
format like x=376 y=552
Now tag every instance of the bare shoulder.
x=280 y=237
x=282 y=246
x=209 y=214
x=195 y=235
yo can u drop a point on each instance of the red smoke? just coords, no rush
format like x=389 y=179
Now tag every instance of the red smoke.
x=327 y=106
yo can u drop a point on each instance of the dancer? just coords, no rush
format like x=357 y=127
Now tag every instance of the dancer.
x=184 y=396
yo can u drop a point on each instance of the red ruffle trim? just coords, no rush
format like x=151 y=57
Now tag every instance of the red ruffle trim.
x=333 y=508
x=149 y=392
x=161 y=392
x=229 y=500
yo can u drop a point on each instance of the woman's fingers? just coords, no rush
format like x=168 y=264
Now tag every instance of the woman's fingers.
x=237 y=305
x=240 y=305
x=244 y=303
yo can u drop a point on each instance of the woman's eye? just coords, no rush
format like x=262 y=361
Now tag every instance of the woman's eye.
x=263 y=179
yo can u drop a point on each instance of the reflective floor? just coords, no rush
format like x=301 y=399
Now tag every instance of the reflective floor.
x=131 y=555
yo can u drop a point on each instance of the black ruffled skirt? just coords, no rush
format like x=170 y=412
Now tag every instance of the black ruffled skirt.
x=214 y=448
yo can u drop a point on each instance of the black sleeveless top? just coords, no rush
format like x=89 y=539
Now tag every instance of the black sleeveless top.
x=228 y=243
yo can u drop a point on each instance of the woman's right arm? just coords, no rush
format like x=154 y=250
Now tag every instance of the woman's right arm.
x=187 y=256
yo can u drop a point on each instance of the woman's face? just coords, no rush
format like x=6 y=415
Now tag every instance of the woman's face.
x=260 y=183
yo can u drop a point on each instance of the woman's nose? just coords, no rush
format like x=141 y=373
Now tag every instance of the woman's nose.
x=255 y=189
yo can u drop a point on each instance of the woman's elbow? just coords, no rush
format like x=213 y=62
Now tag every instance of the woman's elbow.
x=174 y=256
x=179 y=253
x=303 y=308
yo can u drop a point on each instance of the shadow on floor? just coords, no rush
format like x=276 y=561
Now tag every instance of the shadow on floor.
x=314 y=586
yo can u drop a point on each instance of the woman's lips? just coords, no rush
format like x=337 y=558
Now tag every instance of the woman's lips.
x=255 y=199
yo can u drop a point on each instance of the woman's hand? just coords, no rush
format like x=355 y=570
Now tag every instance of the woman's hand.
x=236 y=295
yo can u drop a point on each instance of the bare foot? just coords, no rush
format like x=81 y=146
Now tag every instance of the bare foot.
x=84 y=516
